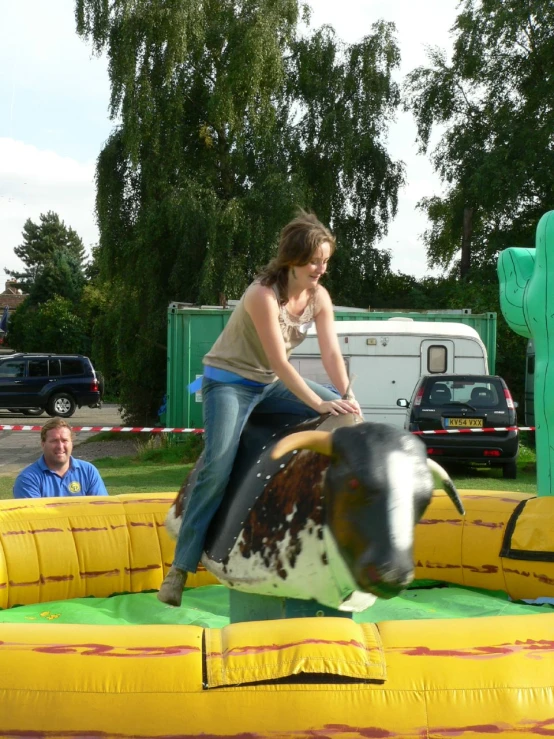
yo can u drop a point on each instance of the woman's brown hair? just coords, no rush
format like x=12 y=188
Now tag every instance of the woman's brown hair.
x=298 y=242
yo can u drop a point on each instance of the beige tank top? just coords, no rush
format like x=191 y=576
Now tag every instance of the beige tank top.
x=238 y=348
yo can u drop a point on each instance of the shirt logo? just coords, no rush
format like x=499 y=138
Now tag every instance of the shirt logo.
x=74 y=487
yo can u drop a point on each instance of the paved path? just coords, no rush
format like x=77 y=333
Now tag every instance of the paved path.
x=20 y=448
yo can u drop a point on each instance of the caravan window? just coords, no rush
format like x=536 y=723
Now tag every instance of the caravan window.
x=436 y=359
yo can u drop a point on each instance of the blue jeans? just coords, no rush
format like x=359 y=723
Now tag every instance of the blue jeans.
x=227 y=407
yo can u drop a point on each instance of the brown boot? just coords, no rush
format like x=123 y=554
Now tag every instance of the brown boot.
x=171 y=590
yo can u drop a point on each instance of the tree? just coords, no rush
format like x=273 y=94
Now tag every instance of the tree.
x=41 y=243
x=53 y=327
x=49 y=318
x=229 y=120
x=61 y=276
x=496 y=154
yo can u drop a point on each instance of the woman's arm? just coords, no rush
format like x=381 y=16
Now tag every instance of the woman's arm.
x=329 y=347
x=261 y=305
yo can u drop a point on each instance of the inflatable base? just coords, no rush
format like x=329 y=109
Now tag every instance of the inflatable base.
x=296 y=678
x=312 y=678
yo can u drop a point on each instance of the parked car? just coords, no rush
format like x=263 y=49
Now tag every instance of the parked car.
x=446 y=402
x=55 y=383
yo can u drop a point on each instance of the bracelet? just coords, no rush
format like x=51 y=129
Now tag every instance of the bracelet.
x=348 y=396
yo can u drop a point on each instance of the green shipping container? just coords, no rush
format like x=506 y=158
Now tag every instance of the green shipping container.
x=192 y=331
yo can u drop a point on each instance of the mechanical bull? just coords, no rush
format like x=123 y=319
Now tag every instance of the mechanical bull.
x=324 y=510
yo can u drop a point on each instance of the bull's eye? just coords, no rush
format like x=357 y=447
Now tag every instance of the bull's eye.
x=353 y=484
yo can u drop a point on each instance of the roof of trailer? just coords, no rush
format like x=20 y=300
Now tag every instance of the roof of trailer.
x=397 y=326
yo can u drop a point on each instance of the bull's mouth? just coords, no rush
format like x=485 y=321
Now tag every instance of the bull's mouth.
x=384 y=590
x=377 y=583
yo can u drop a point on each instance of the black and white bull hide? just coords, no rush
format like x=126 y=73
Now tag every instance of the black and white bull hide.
x=324 y=510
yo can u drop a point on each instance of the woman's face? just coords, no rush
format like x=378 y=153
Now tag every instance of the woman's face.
x=308 y=275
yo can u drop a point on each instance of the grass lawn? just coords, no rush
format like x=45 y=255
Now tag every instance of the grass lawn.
x=162 y=470
x=127 y=475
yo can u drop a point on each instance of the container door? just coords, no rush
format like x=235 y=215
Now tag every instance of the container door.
x=437 y=356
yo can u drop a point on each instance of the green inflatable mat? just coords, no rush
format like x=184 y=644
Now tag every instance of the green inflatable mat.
x=208 y=606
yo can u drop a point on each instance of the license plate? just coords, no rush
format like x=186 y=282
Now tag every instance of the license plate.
x=467 y=423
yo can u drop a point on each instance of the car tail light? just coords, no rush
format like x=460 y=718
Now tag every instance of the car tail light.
x=419 y=396
x=433 y=451
x=94 y=388
x=509 y=401
x=491 y=453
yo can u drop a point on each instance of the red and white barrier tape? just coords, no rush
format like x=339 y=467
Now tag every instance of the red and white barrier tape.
x=97 y=429
x=163 y=430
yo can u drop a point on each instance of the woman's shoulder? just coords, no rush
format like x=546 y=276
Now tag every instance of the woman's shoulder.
x=258 y=294
x=321 y=298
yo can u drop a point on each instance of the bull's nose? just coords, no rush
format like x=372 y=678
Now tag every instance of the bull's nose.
x=385 y=591
x=394 y=577
x=385 y=579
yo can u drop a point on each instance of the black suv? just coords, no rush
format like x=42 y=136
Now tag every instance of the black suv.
x=56 y=383
x=452 y=402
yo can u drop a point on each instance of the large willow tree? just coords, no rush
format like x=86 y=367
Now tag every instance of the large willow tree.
x=228 y=119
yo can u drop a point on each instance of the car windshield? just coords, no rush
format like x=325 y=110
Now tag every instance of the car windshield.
x=476 y=392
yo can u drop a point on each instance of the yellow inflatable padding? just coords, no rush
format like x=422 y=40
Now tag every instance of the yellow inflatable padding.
x=505 y=542
x=62 y=548
x=528 y=550
x=528 y=534
x=240 y=654
x=291 y=679
x=476 y=678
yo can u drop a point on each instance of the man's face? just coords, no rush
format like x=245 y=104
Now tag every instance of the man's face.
x=57 y=448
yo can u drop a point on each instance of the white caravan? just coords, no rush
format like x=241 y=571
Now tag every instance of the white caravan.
x=385 y=359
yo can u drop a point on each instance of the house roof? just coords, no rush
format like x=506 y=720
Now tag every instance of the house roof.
x=11 y=296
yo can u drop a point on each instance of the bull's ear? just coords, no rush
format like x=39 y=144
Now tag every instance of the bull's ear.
x=444 y=478
x=315 y=441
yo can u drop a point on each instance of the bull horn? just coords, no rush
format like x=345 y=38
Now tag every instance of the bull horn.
x=316 y=441
x=442 y=475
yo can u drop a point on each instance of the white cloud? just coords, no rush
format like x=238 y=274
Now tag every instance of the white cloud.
x=34 y=181
x=53 y=114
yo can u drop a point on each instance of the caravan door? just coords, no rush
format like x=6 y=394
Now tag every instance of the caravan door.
x=380 y=380
x=437 y=356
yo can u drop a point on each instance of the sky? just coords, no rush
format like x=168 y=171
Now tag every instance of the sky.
x=54 y=96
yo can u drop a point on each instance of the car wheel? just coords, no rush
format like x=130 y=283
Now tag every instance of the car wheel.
x=62 y=405
x=509 y=471
x=32 y=411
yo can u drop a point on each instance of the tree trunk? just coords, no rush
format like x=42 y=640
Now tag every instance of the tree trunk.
x=465 y=261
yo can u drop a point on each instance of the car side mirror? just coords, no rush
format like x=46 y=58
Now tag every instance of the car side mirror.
x=403 y=403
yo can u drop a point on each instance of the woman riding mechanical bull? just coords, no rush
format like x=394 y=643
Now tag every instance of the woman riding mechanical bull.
x=247 y=372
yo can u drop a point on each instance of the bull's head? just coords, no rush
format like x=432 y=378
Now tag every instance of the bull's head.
x=377 y=487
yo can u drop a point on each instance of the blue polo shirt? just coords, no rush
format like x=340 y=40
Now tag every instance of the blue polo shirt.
x=38 y=481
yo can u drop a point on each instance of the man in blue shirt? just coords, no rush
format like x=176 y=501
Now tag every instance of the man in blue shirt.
x=57 y=474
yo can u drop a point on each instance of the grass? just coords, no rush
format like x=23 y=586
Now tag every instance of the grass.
x=161 y=467
x=127 y=475
x=158 y=467
x=134 y=476
x=484 y=478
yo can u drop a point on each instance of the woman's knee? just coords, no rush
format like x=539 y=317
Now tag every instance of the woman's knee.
x=325 y=392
